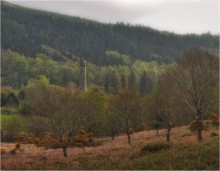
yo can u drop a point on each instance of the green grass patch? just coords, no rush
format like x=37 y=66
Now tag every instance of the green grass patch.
x=60 y=165
x=154 y=147
x=9 y=110
x=204 y=156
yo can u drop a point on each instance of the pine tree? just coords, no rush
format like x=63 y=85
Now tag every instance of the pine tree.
x=145 y=85
x=106 y=86
x=132 y=80
x=115 y=82
x=112 y=82
x=124 y=82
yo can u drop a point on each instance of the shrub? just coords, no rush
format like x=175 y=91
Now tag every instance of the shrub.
x=83 y=139
x=194 y=125
x=213 y=134
x=214 y=117
x=24 y=108
x=141 y=127
x=10 y=126
x=154 y=147
x=4 y=96
x=40 y=141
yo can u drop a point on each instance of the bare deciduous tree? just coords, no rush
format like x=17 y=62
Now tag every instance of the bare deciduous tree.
x=167 y=105
x=197 y=80
x=127 y=106
x=67 y=113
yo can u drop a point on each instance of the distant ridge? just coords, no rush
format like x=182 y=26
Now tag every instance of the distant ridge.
x=26 y=30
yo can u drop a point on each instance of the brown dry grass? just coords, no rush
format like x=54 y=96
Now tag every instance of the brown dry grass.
x=32 y=157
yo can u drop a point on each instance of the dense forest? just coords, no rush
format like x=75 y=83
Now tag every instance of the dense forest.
x=31 y=32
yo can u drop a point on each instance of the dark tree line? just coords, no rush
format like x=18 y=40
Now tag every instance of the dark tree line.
x=72 y=37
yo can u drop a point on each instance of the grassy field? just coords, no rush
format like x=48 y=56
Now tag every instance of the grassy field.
x=184 y=152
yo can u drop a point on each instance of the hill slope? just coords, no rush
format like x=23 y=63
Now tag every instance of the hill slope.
x=185 y=153
x=26 y=30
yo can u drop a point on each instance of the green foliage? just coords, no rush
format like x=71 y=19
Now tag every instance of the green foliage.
x=97 y=98
x=115 y=58
x=124 y=81
x=132 y=80
x=17 y=69
x=10 y=126
x=4 y=97
x=99 y=101
x=48 y=67
x=24 y=108
x=112 y=82
x=36 y=93
x=145 y=85
x=63 y=73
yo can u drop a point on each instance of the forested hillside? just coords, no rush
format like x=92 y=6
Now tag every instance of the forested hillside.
x=31 y=32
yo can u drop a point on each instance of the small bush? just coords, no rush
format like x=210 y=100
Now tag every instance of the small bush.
x=24 y=108
x=154 y=147
x=213 y=134
x=194 y=125
x=142 y=127
x=83 y=139
x=40 y=141
x=214 y=119
x=10 y=126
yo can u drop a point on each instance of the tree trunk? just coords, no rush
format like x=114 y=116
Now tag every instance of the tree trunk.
x=64 y=151
x=157 y=132
x=168 y=133
x=113 y=136
x=129 y=138
x=199 y=127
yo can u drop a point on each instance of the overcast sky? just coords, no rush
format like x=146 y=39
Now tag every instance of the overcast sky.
x=180 y=16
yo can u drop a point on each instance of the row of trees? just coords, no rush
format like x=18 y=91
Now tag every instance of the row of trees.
x=17 y=70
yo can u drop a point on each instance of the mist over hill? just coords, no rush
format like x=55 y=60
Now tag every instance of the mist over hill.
x=30 y=32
